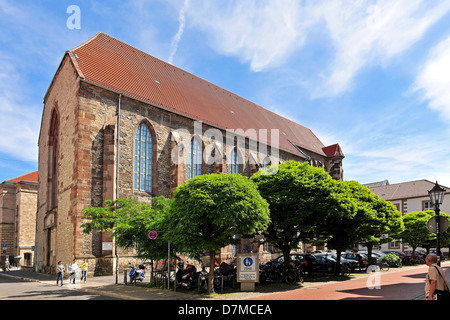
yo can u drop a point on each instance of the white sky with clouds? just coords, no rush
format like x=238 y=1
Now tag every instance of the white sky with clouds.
x=373 y=76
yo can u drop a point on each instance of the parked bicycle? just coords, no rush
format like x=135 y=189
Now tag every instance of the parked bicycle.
x=274 y=271
x=383 y=266
x=346 y=270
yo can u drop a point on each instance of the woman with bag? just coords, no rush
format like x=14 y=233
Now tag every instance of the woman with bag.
x=436 y=282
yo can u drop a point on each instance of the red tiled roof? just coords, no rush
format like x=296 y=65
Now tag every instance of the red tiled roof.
x=333 y=151
x=32 y=176
x=110 y=63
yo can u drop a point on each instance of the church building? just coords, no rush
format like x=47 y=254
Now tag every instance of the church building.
x=118 y=122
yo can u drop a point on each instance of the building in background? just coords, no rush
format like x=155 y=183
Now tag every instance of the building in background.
x=18 y=206
x=410 y=196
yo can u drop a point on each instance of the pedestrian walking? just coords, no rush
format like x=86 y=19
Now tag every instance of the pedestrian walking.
x=6 y=265
x=73 y=268
x=436 y=285
x=84 y=270
x=59 y=272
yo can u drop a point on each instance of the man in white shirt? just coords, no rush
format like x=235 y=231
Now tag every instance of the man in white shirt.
x=73 y=267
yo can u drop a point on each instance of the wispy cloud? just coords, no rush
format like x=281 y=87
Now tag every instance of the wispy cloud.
x=177 y=38
x=356 y=34
x=409 y=158
x=434 y=79
x=19 y=123
x=366 y=34
x=261 y=33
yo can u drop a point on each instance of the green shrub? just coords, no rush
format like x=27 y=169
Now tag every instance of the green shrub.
x=392 y=260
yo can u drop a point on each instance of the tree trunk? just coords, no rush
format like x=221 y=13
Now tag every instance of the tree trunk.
x=286 y=254
x=337 y=267
x=212 y=256
x=369 y=253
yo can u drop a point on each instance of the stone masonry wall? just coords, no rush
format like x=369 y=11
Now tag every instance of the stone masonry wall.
x=55 y=226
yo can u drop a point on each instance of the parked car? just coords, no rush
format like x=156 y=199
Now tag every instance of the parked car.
x=325 y=263
x=376 y=256
x=379 y=254
x=418 y=254
x=353 y=264
x=306 y=262
x=361 y=258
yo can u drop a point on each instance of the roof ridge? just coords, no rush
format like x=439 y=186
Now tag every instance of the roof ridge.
x=404 y=182
x=90 y=40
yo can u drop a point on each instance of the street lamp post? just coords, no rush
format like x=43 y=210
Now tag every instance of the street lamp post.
x=437 y=197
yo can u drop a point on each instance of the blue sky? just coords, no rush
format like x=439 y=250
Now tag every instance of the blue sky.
x=373 y=76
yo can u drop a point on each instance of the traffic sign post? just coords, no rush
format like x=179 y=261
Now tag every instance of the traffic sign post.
x=153 y=235
x=443 y=224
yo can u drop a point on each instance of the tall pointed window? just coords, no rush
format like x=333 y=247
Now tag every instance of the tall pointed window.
x=234 y=162
x=194 y=159
x=143 y=159
x=53 y=160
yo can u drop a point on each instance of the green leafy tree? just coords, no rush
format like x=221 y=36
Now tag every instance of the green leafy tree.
x=299 y=196
x=445 y=236
x=130 y=222
x=378 y=221
x=340 y=224
x=416 y=233
x=209 y=210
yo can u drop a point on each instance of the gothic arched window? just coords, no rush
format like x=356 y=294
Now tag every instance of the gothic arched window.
x=143 y=165
x=53 y=160
x=194 y=159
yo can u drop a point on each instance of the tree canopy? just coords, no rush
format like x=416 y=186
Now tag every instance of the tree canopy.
x=376 y=221
x=130 y=222
x=416 y=233
x=209 y=210
x=299 y=197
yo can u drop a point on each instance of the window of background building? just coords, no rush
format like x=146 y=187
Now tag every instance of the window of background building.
x=394 y=244
x=427 y=205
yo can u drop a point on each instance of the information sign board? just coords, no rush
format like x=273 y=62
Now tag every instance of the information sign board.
x=248 y=267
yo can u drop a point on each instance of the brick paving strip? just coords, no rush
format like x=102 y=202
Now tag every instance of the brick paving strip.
x=405 y=283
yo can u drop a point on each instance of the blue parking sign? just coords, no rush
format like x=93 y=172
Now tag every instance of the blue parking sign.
x=248 y=262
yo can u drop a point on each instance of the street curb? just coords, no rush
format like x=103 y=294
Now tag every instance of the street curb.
x=109 y=294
